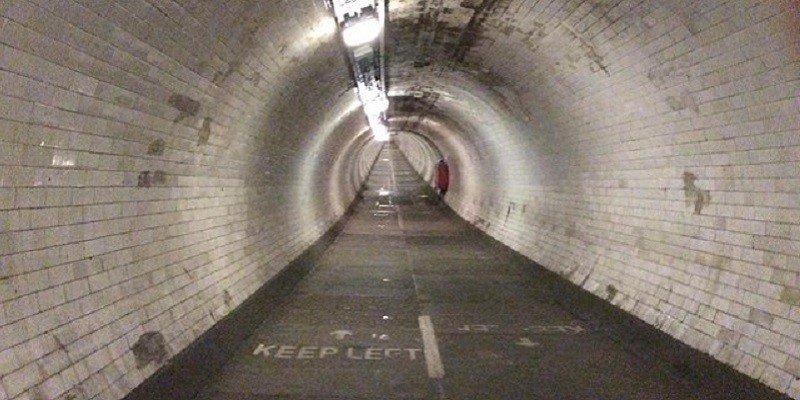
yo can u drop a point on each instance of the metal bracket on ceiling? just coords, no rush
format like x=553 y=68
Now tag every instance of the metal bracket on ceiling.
x=361 y=27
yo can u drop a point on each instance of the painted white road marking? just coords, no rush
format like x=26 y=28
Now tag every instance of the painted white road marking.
x=341 y=334
x=525 y=342
x=567 y=329
x=477 y=328
x=261 y=349
x=293 y=352
x=432 y=358
x=532 y=329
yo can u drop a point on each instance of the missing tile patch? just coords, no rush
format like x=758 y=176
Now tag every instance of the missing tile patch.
x=694 y=195
x=76 y=393
x=227 y=298
x=187 y=106
x=205 y=132
x=790 y=295
x=151 y=347
x=157 y=147
x=611 y=292
x=151 y=178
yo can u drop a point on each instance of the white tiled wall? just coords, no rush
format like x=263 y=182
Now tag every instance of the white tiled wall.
x=617 y=103
x=93 y=251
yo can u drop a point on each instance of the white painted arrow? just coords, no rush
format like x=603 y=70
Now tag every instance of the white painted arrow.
x=341 y=334
x=527 y=343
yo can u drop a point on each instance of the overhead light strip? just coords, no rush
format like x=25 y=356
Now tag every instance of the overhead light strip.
x=361 y=24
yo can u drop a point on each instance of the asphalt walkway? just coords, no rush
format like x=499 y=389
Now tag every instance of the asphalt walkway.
x=410 y=302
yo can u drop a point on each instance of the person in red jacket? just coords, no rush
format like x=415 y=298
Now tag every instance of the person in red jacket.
x=442 y=178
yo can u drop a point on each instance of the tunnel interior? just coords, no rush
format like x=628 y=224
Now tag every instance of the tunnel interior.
x=164 y=159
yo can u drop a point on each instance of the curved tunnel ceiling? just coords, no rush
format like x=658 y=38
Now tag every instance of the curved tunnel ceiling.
x=165 y=158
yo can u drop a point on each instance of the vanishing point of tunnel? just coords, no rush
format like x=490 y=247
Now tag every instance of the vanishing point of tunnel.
x=193 y=205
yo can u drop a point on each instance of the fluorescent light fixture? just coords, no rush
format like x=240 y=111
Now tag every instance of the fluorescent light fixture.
x=376 y=106
x=361 y=32
x=380 y=133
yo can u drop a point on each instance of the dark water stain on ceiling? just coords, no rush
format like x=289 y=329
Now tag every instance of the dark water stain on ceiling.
x=431 y=32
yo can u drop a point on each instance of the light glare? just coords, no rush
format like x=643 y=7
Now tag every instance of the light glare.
x=380 y=133
x=376 y=107
x=361 y=32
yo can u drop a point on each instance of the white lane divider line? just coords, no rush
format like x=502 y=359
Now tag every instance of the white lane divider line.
x=431 y=349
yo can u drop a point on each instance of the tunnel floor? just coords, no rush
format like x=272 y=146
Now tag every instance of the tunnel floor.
x=410 y=302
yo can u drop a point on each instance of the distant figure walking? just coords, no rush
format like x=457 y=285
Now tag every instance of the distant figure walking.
x=442 y=178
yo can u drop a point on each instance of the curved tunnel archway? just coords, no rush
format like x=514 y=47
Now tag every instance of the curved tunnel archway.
x=163 y=159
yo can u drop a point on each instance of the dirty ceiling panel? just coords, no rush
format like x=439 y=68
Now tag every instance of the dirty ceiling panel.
x=430 y=38
x=427 y=32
